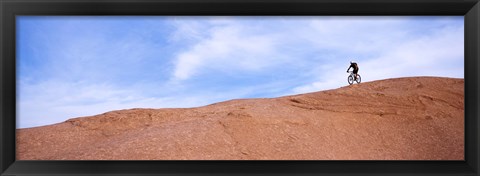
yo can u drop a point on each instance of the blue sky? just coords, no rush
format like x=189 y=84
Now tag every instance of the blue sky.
x=79 y=66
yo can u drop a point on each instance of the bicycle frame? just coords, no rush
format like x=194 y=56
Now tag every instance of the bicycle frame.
x=351 y=73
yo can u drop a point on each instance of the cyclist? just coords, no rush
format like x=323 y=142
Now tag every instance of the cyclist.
x=353 y=65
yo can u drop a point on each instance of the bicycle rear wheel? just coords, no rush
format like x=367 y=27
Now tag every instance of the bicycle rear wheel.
x=359 y=78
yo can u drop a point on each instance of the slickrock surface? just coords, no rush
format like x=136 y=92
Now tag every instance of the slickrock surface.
x=415 y=118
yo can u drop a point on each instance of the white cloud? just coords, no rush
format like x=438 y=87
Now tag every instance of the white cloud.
x=355 y=34
x=431 y=55
x=227 y=46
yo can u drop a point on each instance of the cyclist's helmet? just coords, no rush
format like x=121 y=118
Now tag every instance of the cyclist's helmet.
x=351 y=62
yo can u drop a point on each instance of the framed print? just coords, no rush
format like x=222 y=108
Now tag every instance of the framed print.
x=239 y=87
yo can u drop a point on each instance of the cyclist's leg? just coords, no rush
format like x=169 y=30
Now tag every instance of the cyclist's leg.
x=355 y=71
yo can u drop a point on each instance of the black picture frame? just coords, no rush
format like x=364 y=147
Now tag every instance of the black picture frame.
x=470 y=9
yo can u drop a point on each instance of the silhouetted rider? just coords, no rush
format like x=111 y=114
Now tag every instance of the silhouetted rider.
x=355 y=69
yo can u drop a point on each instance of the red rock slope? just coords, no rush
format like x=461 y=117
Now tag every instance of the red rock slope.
x=417 y=118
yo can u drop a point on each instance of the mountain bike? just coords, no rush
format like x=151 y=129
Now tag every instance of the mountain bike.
x=350 y=78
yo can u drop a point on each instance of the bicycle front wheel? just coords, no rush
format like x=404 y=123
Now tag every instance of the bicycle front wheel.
x=350 y=79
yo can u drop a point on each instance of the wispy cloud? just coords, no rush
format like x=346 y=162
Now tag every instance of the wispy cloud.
x=226 y=46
